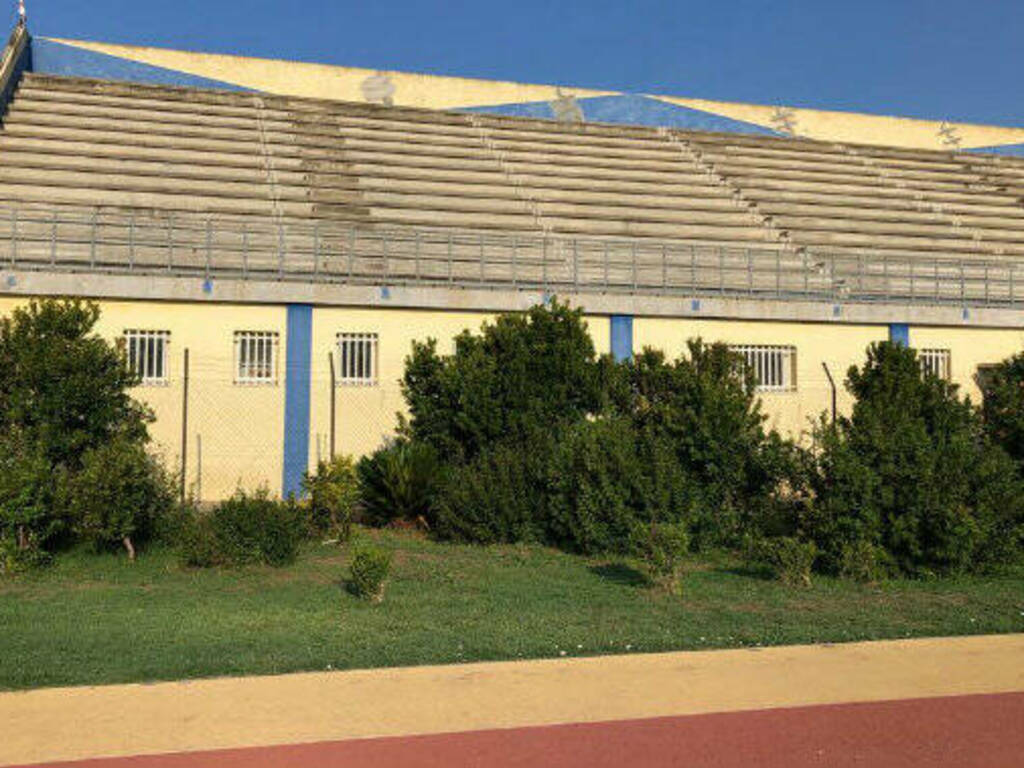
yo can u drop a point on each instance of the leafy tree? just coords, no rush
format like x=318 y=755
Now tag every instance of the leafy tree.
x=63 y=386
x=1003 y=406
x=119 y=495
x=912 y=472
x=524 y=372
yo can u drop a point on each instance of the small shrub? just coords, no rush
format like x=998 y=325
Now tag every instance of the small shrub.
x=399 y=482
x=369 y=571
x=119 y=496
x=333 y=495
x=247 y=528
x=662 y=547
x=30 y=515
x=863 y=561
x=16 y=557
x=501 y=496
x=789 y=558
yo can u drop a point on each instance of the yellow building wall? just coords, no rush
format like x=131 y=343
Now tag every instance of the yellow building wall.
x=969 y=348
x=791 y=413
x=366 y=415
x=235 y=432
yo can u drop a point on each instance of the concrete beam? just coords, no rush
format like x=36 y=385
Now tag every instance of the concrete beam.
x=233 y=291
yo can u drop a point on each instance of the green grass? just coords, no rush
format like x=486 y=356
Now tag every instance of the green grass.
x=100 y=619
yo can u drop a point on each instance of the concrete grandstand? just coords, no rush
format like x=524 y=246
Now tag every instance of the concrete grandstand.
x=202 y=197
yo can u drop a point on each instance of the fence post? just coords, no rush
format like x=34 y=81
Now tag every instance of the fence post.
x=334 y=390
x=184 y=428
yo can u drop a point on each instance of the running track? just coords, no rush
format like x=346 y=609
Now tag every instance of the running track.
x=924 y=704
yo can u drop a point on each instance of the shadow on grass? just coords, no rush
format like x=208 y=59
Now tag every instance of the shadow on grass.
x=620 y=573
x=761 y=572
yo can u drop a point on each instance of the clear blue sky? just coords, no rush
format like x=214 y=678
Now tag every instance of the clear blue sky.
x=933 y=59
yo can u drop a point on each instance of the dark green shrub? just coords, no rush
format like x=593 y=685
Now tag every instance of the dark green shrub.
x=522 y=374
x=703 y=405
x=912 y=472
x=1003 y=406
x=31 y=516
x=63 y=386
x=119 y=496
x=502 y=495
x=790 y=559
x=247 y=528
x=399 y=481
x=662 y=547
x=368 y=571
x=333 y=495
x=606 y=479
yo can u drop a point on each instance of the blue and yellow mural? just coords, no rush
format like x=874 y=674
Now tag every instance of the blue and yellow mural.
x=169 y=67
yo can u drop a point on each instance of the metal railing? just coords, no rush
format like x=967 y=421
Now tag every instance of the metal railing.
x=188 y=245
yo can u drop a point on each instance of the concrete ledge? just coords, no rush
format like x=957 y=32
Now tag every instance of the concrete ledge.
x=442 y=297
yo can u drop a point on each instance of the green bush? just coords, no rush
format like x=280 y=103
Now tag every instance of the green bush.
x=119 y=496
x=399 y=481
x=333 y=495
x=703 y=405
x=790 y=559
x=247 y=528
x=912 y=472
x=369 y=571
x=861 y=560
x=31 y=516
x=522 y=374
x=1003 y=406
x=606 y=479
x=662 y=547
x=501 y=496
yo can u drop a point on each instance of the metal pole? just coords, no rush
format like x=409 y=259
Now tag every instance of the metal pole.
x=334 y=390
x=832 y=384
x=184 y=428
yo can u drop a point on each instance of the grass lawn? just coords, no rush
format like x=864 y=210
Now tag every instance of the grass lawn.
x=100 y=619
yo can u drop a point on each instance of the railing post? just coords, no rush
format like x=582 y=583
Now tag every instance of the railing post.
x=721 y=269
x=544 y=262
x=986 y=284
x=483 y=262
x=575 y=265
x=515 y=261
x=131 y=241
x=606 y=265
x=92 y=240
x=53 y=241
x=209 y=245
x=384 y=255
x=245 y=250
x=280 y=250
x=170 y=242
x=419 y=245
x=963 y=288
x=316 y=256
x=778 y=274
x=750 y=273
x=451 y=256
x=664 y=268
x=351 y=251
x=693 y=269
x=14 y=236
x=1011 y=285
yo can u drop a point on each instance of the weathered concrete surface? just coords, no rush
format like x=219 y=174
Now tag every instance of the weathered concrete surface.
x=162 y=288
x=76 y=723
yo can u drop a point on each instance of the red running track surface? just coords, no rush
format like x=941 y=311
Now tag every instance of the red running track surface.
x=981 y=731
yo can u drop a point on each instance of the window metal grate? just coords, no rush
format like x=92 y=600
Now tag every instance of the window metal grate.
x=774 y=366
x=357 y=358
x=256 y=357
x=147 y=354
x=935 y=361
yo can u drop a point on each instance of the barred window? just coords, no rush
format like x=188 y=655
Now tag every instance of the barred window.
x=147 y=354
x=357 y=358
x=935 y=362
x=256 y=357
x=774 y=366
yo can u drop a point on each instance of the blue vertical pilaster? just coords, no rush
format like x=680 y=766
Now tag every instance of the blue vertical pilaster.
x=622 y=337
x=899 y=333
x=298 y=345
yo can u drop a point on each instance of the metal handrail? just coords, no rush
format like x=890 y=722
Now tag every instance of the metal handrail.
x=76 y=240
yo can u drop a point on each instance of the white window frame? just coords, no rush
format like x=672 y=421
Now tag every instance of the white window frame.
x=936 y=361
x=357 y=359
x=774 y=365
x=147 y=353
x=256 y=356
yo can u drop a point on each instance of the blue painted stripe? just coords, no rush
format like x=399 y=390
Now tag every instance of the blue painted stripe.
x=53 y=58
x=899 y=333
x=299 y=345
x=622 y=337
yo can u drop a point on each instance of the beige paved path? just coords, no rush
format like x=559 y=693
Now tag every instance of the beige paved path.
x=74 y=723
